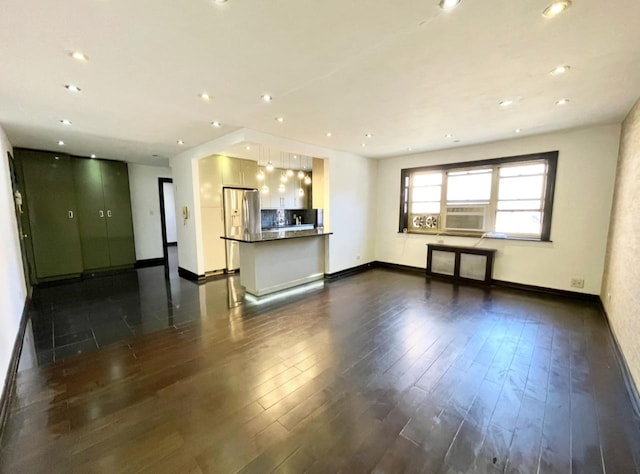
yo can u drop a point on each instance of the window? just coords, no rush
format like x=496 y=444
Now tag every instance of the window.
x=510 y=197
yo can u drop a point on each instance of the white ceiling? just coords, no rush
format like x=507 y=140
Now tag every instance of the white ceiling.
x=404 y=70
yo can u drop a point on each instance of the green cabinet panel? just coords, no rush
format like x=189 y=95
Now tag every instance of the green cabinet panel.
x=51 y=198
x=92 y=216
x=117 y=201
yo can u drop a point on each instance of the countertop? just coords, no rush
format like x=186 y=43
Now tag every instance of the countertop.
x=278 y=235
x=276 y=228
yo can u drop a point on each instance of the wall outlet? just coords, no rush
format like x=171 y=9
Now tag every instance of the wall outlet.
x=577 y=283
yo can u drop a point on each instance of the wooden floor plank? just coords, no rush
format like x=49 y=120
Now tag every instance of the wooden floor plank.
x=382 y=371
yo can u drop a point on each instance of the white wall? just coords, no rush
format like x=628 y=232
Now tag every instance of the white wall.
x=145 y=206
x=348 y=181
x=583 y=195
x=170 y=212
x=12 y=286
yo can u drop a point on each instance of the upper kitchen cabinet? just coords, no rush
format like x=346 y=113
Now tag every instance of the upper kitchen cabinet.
x=210 y=180
x=237 y=172
x=52 y=208
x=290 y=197
x=104 y=213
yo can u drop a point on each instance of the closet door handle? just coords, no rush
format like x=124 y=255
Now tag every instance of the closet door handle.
x=70 y=214
x=101 y=213
x=108 y=213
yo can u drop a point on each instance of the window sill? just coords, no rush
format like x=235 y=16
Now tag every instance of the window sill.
x=475 y=236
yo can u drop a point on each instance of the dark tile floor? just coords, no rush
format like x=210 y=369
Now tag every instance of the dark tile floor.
x=79 y=317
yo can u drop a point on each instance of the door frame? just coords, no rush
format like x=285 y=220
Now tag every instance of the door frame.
x=163 y=218
x=27 y=270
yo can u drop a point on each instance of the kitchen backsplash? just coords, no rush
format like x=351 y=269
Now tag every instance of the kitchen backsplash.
x=272 y=218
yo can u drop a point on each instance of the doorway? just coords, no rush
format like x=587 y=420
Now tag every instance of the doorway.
x=168 y=223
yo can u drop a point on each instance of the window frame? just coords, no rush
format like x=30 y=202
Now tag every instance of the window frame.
x=550 y=158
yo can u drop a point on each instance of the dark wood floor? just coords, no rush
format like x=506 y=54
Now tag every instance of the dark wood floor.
x=381 y=371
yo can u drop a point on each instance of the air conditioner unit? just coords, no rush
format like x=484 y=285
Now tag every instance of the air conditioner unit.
x=425 y=221
x=467 y=217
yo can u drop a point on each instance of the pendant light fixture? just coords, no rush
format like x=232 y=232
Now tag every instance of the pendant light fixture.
x=269 y=166
x=289 y=170
x=307 y=179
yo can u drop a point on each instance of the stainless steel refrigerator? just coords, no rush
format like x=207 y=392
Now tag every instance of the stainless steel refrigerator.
x=241 y=216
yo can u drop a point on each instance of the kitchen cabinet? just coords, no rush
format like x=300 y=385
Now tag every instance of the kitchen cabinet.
x=289 y=199
x=52 y=209
x=104 y=213
x=237 y=172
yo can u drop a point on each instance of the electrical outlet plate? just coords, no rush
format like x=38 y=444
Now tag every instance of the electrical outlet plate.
x=577 y=283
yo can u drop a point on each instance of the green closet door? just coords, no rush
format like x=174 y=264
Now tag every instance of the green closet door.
x=92 y=215
x=117 y=201
x=52 y=213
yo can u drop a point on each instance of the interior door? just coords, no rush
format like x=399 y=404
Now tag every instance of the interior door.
x=92 y=215
x=117 y=201
x=52 y=213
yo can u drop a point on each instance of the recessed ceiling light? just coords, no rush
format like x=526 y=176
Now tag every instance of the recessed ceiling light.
x=77 y=55
x=280 y=119
x=180 y=142
x=93 y=155
x=266 y=97
x=409 y=149
x=216 y=124
x=221 y=2
x=363 y=145
x=328 y=134
x=562 y=102
x=295 y=157
x=556 y=8
x=206 y=97
x=368 y=135
x=517 y=130
x=60 y=143
x=72 y=88
x=560 y=70
x=506 y=103
x=448 y=135
x=65 y=122
x=449 y=4
x=248 y=147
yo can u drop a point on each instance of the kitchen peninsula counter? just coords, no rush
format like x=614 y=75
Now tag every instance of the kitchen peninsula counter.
x=268 y=236
x=274 y=261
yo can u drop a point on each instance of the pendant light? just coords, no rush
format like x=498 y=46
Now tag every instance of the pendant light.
x=264 y=189
x=289 y=170
x=282 y=188
x=269 y=166
x=307 y=179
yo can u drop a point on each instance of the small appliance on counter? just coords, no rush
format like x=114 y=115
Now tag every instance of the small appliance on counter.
x=241 y=216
